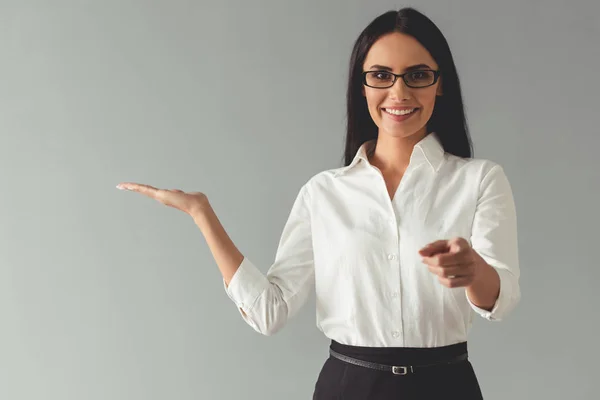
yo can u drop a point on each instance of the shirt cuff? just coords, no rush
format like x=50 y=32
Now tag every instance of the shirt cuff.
x=506 y=300
x=246 y=286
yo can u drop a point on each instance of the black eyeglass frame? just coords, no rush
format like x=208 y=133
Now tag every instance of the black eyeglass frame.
x=436 y=76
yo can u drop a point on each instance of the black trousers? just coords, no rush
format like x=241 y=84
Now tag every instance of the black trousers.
x=341 y=380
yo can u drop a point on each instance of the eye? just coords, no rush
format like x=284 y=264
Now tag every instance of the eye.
x=420 y=76
x=382 y=76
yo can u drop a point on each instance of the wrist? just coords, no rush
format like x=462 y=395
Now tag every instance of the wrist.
x=200 y=210
x=481 y=270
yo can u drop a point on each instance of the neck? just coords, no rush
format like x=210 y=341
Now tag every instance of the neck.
x=392 y=154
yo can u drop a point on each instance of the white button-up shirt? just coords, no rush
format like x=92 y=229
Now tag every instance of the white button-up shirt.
x=358 y=249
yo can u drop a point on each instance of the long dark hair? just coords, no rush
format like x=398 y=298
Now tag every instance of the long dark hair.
x=448 y=118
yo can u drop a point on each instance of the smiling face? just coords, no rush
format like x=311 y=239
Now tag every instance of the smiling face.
x=390 y=108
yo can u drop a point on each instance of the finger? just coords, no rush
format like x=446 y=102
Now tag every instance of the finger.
x=458 y=244
x=440 y=246
x=449 y=272
x=447 y=259
x=147 y=190
x=456 y=282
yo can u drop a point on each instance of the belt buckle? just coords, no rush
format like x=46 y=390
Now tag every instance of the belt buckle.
x=401 y=370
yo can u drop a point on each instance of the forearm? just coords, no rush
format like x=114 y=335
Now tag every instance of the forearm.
x=485 y=289
x=226 y=254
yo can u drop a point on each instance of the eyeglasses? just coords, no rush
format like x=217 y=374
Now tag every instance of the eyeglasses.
x=414 y=79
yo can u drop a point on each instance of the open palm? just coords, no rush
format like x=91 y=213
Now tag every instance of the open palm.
x=186 y=202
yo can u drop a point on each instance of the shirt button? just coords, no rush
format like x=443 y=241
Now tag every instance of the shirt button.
x=395 y=294
x=395 y=334
x=391 y=256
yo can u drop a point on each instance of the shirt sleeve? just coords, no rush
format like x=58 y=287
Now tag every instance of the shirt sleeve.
x=267 y=302
x=494 y=237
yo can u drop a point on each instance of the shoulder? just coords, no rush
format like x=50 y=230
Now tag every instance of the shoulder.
x=473 y=168
x=482 y=176
x=317 y=185
x=321 y=180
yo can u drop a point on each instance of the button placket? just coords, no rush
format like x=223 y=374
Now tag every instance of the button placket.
x=393 y=259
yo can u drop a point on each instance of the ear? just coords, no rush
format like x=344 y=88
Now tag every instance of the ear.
x=439 y=91
x=363 y=91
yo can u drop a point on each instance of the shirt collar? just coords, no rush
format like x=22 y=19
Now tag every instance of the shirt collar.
x=429 y=149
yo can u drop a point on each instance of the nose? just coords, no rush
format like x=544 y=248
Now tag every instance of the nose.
x=399 y=90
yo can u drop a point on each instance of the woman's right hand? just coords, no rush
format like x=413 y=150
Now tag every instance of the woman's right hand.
x=191 y=203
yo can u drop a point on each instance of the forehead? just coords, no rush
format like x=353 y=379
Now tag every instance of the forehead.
x=398 y=51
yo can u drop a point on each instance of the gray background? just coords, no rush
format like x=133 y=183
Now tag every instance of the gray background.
x=109 y=295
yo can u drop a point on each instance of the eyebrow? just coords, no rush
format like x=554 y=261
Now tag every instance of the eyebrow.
x=411 y=68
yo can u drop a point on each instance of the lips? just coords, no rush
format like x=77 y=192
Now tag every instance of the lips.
x=399 y=110
x=399 y=114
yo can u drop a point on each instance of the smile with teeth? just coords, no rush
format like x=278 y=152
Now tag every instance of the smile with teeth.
x=399 y=112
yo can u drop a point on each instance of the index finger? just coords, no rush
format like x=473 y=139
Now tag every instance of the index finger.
x=439 y=246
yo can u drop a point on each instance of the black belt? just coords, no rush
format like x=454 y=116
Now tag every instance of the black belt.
x=396 y=370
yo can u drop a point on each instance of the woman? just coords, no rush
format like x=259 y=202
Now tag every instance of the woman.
x=404 y=244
